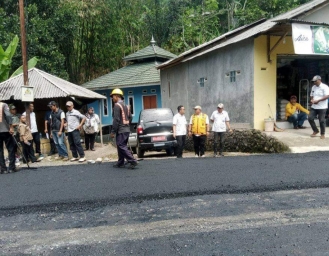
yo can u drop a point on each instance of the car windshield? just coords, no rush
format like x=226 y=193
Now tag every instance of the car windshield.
x=156 y=115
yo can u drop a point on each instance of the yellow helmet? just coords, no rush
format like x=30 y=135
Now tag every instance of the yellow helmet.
x=117 y=92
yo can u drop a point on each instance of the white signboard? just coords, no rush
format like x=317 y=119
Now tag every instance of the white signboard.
x=310 y=39
x=27 y=94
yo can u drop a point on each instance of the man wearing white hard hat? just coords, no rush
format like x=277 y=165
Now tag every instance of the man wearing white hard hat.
x=121 y=130
x=220 y=120
x=199 y=129
x=319 y=100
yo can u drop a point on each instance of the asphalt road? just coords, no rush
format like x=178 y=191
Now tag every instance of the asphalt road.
x=156 y=179
x=253 y=205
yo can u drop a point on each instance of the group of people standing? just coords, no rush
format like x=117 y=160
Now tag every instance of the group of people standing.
x=16 y=131
x=56 y=122
x=199 y=128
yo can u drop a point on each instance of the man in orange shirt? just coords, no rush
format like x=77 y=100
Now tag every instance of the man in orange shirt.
x=295 y=113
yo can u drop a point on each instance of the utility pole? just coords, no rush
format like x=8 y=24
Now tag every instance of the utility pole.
x=24 y=55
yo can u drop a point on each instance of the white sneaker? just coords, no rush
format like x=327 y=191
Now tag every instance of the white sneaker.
x=203 y=156
x=17 y=162
x=40 y=157
x=74 y=159
x=196 y=156
x=82 y=159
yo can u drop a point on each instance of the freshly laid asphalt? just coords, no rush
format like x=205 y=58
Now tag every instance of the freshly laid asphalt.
x=88 y=186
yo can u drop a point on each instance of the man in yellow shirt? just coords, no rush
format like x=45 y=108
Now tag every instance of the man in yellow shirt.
x=199 y=129
x=295 y=113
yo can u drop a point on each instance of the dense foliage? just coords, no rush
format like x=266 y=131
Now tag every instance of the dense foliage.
x=82 y=39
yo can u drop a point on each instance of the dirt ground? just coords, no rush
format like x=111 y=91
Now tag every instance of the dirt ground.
x=108 y=153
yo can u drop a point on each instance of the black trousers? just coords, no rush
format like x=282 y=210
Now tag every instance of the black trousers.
x=36 y=140
x=90 y=140
x=28 y=152
x=121 y=140
x=199 y=144
x=75 y=144
x=221 y=136
x=180 y=144
x=321 y=115
x=52 y=143
x=7 y=138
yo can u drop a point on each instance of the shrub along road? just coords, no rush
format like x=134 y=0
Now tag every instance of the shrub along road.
x=221 y=206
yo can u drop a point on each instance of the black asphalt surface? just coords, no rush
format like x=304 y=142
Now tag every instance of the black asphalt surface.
x=87 y=186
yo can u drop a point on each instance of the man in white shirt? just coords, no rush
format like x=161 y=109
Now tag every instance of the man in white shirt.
x=179 y=130
x=220 y=120
x=74 y=125
x=34 y=131
x=319 y=100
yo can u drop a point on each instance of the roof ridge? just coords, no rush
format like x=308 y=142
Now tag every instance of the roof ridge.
x=196 y=51
x=51 y=81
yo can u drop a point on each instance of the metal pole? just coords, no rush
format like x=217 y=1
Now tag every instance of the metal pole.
x=24 y=56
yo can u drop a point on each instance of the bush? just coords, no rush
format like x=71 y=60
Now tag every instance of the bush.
x=247 y=141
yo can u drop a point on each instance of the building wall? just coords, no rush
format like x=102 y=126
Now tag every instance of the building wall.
x=136 y=92
x=237 y=96
x=320 y=16
x=265 y=78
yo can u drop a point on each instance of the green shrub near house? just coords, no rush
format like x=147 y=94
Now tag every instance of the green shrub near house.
x=246 y=141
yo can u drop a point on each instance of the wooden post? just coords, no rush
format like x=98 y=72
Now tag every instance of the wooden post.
x=24 y=56
x=100 y=121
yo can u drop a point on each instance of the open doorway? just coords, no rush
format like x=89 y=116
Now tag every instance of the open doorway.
x=294 y=73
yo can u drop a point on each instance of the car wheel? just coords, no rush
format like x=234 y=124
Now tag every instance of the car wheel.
x=140 y=152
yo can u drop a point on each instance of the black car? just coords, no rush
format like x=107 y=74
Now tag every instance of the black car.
x=154 y=131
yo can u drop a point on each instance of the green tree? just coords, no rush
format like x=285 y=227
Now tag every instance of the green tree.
x=6 y=60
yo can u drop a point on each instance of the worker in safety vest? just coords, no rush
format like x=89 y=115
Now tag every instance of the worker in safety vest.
x=199 y=129
x=121 y=129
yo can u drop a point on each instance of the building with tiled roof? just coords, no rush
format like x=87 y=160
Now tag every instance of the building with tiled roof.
x=139 y=80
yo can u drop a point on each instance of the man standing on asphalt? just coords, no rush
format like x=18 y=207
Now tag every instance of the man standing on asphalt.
x=73 y=118
x=48 y=130
x=15 y=122
x=121 y=129
x=292 y=114
x=199 y=129
x=6 y=136
x=34 y=131
x=319 y=96
x=56 y=124
x=179 y=130
x=220 y=121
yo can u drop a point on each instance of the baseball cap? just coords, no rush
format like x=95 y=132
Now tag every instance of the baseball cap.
x=69 y=103
x=52 y=103
x=12 y=107
x=197 y=107
x=316 y=78
x=293 y=97
x=220 y=105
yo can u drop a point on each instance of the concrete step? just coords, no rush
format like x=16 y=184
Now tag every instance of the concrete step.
x=287 y=125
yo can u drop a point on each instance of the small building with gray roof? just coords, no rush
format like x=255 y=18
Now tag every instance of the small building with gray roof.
x=139 y=81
